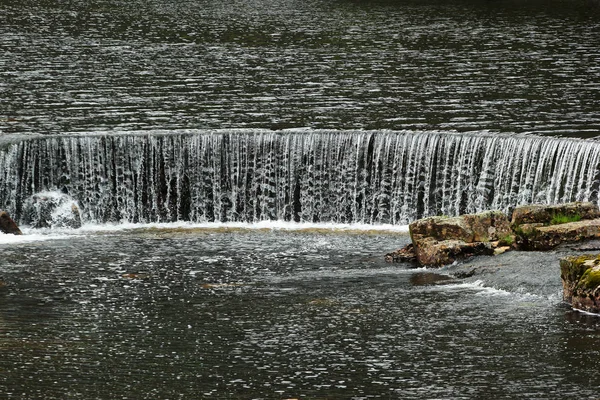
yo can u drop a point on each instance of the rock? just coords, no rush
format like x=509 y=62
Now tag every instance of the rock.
x=501 y=250
x=580 y=277
x=483 y=227
x=533 y=237
x=405 y=254
x=435 y=253
x=7 y=225
x=429 y=278
x=442 y=240
x=543 y=214
x=51 y=210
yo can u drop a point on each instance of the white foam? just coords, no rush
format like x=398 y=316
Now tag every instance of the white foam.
x=29 y=236
x=586 y=312
x=262 y=225
x=45 y=234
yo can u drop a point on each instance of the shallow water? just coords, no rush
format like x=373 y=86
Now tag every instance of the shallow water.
x=219 y=313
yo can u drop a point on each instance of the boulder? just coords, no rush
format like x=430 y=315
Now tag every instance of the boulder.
x=536 y=237
x=545 y=213
x=7 y=225
x=405 y=254
x=580 y=277
x=487 y=226
x=51 y=210
x=436 y=253
x=439 y=241
x=543 y=227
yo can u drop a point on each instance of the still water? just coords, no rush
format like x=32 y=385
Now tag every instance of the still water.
x=236 y=313
x=475 y=65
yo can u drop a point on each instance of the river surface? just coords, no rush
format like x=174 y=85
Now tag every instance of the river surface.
x=464 y=65
x=271 y=312
x=166 y=313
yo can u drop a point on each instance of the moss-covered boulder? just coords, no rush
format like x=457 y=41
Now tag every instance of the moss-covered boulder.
x=7 y=225
x=581 y=281
x=439 y=241
x=545 y=214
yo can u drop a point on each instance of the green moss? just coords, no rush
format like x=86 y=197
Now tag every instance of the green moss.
x=559 y=218
x=507 y=240
x=573 y=268
x=590 y=279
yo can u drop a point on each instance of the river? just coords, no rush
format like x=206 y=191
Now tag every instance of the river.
x=242 y=167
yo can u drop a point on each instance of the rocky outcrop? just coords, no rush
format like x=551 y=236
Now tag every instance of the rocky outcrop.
x=580 y=277
x=7 y=225
x=543 y=227
x=439 y=241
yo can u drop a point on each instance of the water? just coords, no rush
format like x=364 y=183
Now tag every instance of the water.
x=431 y=107
x=221 y=313
x=308 y=176
x=347 y=64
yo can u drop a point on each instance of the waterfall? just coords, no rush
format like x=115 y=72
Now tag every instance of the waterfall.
x=367 y=177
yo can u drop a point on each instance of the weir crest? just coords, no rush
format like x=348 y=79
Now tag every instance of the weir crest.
x=371 y=177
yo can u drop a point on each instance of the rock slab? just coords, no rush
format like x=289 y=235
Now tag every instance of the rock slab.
x=545 y=213
x=537 y=229
x=580 y=277
x=440 y=241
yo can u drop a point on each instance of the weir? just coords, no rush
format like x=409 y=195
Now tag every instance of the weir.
x=371 y=177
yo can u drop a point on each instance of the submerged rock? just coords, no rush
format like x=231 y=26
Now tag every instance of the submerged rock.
x=440 y=241
x=580 y=277
x=7 y=225
x=51 y=210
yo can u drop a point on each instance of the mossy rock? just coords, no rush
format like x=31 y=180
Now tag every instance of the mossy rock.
x=590 y=279
x=581 y=281
x=572 y=268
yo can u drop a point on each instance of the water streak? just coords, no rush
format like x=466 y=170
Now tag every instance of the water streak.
x=365 y=177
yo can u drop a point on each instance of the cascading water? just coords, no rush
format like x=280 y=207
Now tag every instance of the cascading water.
x=310 y=176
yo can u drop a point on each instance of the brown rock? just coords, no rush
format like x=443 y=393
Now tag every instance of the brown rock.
x=435 y=253
x=405 y=254
x=441 y=240
x=7 y=225
x=544 y=213
x=581 y=281
x=535 y=237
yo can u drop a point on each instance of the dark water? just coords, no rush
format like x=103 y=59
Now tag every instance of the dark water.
x=274 y=315
x=158 y=314
x=467 y=65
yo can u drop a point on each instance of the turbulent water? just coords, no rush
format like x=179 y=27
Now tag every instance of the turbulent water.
x=303 y=176
x=241 y=167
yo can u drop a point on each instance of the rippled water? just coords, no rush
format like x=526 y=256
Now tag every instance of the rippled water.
x=466 y=65
x=172 y=313
x=228 y=313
